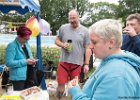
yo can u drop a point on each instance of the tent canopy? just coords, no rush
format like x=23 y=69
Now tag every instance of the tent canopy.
x=23 y=6
x=11 y=7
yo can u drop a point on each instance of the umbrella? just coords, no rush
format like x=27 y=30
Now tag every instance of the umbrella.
x=22 y=7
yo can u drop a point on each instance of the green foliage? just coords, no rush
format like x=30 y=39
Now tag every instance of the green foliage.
x=48 y=54
x=15 y=17
x=127 y=7
x=2 y=54
x=56 y=11
x=82 y=6
x=100 y=10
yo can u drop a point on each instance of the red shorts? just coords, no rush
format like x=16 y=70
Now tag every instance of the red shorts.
x=67 y=71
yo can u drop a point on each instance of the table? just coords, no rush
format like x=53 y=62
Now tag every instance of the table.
x=16 y=95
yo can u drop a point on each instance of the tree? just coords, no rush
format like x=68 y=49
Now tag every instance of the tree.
x=127 y=7
x=55 y=14
x=100 y=10
x=56 y=11
x=15 y=17
x=82 y=6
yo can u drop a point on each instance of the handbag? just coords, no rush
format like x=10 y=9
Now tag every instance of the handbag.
x=38 y=75
x=34 y=77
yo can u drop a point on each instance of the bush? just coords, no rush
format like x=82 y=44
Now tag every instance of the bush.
x=48 y=54
x=2 y=54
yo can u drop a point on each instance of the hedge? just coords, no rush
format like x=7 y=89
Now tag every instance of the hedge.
x=48 y=54
x=2 y=54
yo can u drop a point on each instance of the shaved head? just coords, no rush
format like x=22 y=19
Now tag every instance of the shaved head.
x=74 y=12
x=74 y=19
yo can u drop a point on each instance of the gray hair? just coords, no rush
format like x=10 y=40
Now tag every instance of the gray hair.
x=108 y=28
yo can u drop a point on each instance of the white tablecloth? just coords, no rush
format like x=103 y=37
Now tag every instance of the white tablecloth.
x=42 y=95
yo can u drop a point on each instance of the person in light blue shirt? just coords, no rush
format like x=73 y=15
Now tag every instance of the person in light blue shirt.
x=19 y=58
x=118 y=75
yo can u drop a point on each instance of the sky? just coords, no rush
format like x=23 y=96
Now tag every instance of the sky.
x=110 y=1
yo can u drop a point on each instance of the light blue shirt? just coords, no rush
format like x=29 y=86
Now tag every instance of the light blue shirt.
x=117 y=78
x=16 y=60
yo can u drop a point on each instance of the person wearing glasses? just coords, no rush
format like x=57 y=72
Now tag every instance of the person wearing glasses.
x=19 y=58
x=118 y=75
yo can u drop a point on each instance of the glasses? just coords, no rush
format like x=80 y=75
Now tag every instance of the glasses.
x=26 y=38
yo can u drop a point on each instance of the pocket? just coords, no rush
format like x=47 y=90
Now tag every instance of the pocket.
x=21 y=72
